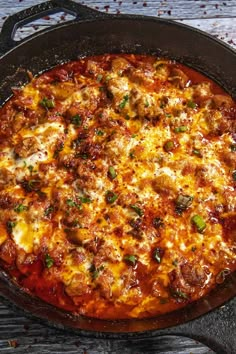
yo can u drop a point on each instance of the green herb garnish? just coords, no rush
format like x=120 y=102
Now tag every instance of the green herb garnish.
x=180 y=129
x=197 y=152
x=47 y=103
x=198 y=221
x=191 y=104
x=99 y=132
x=111 y=172
x=182 y=203
x=11 y=225
x=136 y=209
x=20 y=207
x=157 y=223
x=76 y=120
x=130 y=258
x=111 y=197
x=48 y=261
x=85 y=200
x=124 y=101
x=99 y=77
x=158 y=254
x=233 y=147
x=169 y=146
x=48 y=210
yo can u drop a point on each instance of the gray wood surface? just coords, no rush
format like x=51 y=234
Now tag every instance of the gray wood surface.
x=21 y=334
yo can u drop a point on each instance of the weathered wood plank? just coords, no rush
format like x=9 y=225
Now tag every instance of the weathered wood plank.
x=174 y=9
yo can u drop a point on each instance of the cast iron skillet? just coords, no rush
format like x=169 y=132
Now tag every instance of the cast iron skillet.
x=94 y=33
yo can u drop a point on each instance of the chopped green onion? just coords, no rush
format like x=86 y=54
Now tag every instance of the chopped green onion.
x=158 y=254
x=198 y=221
x=111 y=172
x=101 y=88
x=197 y=152
x=72 y=203
x=157 y=223
x=20 y=207
x=99 y=77
x=99 y=132
x=96 y=271
x=191 y=104
x=48 y=210
x=233 y=147
x=111 y=197
x=11 y=225
x=193 y=249
x=179 y=294
x=132 y=154
x=85 y=200
x=169 y=145
x=48 y=261
x=124 y=101
x=234 y=175
x=30 y=168
x=182 y=203
x=76 y=120
x=136 y=209
x=180 y=129
x=47 y=103
x=146 y=103
x=175 y=262
x=130 y=258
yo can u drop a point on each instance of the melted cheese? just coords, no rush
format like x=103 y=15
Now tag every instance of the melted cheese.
x=86 y=179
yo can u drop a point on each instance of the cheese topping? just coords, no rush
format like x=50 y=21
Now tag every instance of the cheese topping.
x=117 y=186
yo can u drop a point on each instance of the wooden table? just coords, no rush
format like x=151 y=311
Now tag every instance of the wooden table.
x=20 y=334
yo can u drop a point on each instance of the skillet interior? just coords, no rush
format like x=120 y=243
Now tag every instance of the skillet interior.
x=115 y=34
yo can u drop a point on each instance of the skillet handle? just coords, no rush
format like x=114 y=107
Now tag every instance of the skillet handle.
x=36 y=12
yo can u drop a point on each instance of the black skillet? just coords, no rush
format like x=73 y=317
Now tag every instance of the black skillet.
x=92 y=33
